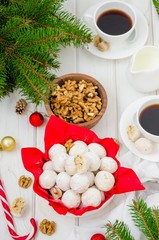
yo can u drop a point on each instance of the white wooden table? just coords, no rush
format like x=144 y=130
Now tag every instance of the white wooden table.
x=111 y=73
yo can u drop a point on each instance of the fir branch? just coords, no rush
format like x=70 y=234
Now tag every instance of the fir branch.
x=143 y=218
x=43 y=97
x=118 y=231
x=32 y=70
x=156 y=215
x=32 y=32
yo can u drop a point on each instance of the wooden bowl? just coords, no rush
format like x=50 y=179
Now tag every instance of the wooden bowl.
x=101 y=93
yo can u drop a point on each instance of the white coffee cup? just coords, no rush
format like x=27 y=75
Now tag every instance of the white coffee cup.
x=145 y=119
x=124 y=8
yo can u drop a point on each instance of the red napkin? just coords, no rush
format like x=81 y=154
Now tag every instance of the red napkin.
x=59 y=131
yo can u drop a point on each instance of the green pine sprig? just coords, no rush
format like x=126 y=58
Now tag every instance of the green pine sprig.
x=118 y=231
x=146 y=219
x=32 y=33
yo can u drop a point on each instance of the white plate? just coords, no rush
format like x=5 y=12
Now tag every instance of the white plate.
x=127 y=119
x=126 y=49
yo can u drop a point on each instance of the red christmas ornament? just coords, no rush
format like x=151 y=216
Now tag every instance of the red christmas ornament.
x=36 y=119
x=98 y=236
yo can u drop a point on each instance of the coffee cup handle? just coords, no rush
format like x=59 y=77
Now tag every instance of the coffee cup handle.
x=132 y=37
x=88 y=19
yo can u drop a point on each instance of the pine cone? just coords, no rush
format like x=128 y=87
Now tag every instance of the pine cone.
x=20 y=106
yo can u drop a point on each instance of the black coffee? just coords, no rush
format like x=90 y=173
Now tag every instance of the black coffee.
x=149 y=119
x=114 y=22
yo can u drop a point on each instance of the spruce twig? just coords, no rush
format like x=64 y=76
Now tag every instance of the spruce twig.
x=118 y=231
x=31 y=35
x=146 y=219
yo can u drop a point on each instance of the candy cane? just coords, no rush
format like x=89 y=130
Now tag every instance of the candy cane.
x=9 y=219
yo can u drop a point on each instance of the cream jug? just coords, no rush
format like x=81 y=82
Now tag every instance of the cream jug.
x=143 y=72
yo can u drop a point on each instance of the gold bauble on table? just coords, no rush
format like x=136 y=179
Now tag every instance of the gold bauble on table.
x=8 y=143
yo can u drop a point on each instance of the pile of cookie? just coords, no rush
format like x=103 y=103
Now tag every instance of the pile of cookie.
x=78 y=175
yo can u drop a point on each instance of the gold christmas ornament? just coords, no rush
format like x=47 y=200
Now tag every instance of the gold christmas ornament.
x=7 y=143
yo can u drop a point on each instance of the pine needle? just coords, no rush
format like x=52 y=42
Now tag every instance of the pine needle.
x=118 y=231
x=144 y=219
x=31 y=35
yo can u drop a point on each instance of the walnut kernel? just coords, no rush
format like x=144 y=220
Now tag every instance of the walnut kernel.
x=100 y=44
x=56 y=192
x=68 y=144
x=47 y=227
x=76 y=102
x=24 y=182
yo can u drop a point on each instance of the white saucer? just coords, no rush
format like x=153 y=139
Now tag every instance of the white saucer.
x=125 y=121
x=128 y=48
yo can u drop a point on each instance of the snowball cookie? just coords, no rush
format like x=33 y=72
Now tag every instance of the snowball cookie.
x=47 y=166
x=98 y=149
x=63 y=181
x=91 y=178
x=101 y=192
x=108 y=164
x=58 y=161
x=56 y=148
x=133 y=132
x=47 y=179
x=94 y=160
x=144 y=145
x=79 y=147
x=91 y=197
x=104 y=180
x=79 y=183
x=82 y=163
x=71 y=199
x=70 y=166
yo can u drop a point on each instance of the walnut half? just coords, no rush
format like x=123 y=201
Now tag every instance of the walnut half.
x=47 y=227
x=24 y=182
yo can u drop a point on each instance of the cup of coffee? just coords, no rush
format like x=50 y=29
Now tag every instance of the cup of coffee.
x=147 y=118
x=113 y=21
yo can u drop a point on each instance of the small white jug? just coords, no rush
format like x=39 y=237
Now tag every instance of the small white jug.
x=143 y=72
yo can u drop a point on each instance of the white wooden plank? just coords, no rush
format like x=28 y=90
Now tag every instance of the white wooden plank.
x=11 y=167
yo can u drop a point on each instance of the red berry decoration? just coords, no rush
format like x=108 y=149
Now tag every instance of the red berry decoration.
x=36 y=119
x=98 y=236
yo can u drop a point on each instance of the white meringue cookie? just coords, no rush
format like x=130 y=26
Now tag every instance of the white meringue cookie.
x=144 y=145
x=102 y=196
x=18 y=207
x=104 y=181
x=79 y=147
x=63 y=181
x=70 y=166
x=71 y=199
x=58 y=161
x=98 y=149
x=133 y=132
x=108 y=164
x=91 y=197
x=47 y=166
x=56 y=149
x=47 y=179
x=79 y=183
x=94 y=160
x=82 y=163
x=91 y=178
x=101 y=192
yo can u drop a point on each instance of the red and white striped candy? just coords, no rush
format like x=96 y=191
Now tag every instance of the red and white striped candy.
x=9 y=219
